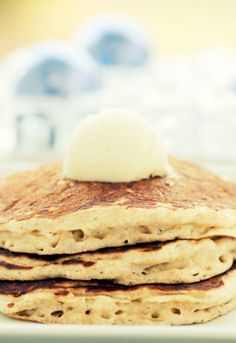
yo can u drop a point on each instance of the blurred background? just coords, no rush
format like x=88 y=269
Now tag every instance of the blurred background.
x=172 y=61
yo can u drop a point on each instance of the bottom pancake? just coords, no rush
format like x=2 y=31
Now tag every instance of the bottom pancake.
x=63 y=301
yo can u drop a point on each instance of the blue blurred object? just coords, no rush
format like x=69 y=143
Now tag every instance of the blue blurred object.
x=56 y=72
x=45 y=77
x=47 y=82
x=114 y=39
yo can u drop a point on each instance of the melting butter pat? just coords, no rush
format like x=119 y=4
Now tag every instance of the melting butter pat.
x=116 y=145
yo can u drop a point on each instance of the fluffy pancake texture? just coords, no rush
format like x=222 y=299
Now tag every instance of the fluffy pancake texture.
x=63 y=301
x=158 y=251
x=40 y=212
x=179 y=261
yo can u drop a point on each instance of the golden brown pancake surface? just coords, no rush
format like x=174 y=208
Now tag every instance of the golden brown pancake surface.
x=44 y=193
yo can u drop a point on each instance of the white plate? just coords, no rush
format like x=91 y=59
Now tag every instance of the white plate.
x=220 y=330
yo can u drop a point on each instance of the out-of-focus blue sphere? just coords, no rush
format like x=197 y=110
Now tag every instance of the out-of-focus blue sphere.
x=45 y=77
x=55 y=71
x=114 y=39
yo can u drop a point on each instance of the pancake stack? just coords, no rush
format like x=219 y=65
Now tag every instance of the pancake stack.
x=158 y=251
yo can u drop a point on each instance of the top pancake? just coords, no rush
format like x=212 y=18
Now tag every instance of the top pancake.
x=43 y=192
x=188 y=203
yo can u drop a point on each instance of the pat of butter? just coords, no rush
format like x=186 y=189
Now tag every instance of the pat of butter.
x=115 y=146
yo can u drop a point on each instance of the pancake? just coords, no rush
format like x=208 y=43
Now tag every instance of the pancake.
x=179 y=261
x=63 y=301
x=42 y=212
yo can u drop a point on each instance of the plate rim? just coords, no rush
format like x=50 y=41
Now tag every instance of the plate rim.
x=117 y=331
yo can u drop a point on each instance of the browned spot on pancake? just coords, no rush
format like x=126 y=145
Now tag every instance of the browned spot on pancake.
x=13 y=266
x=46 y=258
x=8 y=253
x=24 y=195
x=142 y=247
x=18 y=288
x=62 y=292
x=78 y=261
x=10 y=305
x=214 y=282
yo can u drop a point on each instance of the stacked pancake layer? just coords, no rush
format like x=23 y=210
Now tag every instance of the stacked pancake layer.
x=148 y=252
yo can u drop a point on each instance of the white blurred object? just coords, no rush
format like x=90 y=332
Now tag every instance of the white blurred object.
x=53 y=68
x=216 y=132
x=215 y=68
x=190 y=98
x=7 y=140
x=39 y=79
